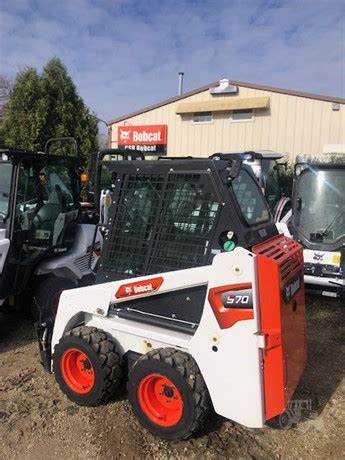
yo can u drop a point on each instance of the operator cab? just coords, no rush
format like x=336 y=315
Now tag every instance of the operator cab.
x=318 y=219
x=267 y=170
x=99 y=180
x=175 y=213
x=39 y=209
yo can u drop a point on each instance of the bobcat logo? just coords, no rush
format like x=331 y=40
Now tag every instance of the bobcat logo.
x=124 y=135
x=318 y=256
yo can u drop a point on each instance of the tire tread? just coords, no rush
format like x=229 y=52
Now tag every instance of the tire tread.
x=186 y=366
x=108 y=356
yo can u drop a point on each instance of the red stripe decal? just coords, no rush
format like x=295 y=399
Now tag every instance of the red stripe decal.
x=227 y=315
x=139 y=288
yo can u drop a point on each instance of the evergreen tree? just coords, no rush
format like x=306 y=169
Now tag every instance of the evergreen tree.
x=48 y=105
x=21 y=125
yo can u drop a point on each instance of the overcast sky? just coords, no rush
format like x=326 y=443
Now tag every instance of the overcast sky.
x=126 y=54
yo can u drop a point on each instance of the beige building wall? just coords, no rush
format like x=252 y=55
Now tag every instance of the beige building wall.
x=291 y=125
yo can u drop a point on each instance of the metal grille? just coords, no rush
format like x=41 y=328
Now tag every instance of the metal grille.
x=161 y=223
x=82 y=263
x=285 y=251
x=252 y=204
x=187 y=216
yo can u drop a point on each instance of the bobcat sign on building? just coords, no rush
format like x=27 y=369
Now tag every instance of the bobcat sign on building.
x=230 y=116
x=149 y=138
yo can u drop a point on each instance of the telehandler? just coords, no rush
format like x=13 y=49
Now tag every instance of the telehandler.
x=44 y=248
x=198 y=301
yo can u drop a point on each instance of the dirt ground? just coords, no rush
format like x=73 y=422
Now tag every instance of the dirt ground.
x=38 y=422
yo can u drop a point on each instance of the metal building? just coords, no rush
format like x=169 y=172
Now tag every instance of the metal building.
x=234 y=116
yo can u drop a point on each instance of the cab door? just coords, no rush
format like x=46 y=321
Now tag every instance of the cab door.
x=5 y=195
x=43 y=218
x=23 y=197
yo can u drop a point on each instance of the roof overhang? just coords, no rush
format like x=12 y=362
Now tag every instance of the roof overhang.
x=255 y=86
x=224 y=104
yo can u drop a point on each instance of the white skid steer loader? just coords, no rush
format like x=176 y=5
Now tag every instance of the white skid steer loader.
x=44 y=248
x=198 y=301
x=318 y=221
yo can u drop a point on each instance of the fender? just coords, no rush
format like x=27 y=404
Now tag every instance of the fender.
x=75 y=263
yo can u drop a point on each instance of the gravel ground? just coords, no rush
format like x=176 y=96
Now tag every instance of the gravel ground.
x=38 y=422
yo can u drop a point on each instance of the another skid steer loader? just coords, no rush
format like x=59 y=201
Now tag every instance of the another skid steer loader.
x=44 y=248
x=198 y=301
x=318 y=221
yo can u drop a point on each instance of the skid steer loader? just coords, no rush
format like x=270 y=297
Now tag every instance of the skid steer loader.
x=43 y=247
x=318 y=221
x=198 y=301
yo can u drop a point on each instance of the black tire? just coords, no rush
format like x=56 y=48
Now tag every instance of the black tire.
x=286 y=420
x=101 y=356
x=283 y=421
x=187 y=385
x=47 y=296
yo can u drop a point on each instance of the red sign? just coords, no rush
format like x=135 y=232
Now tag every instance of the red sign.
x=147 y=138
x=139 y=288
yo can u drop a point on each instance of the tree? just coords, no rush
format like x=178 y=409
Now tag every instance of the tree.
x=48 y=105
x=5 y=88
x=20 y=125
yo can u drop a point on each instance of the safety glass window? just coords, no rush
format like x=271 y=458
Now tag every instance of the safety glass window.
x=271 y=182
x=5 y=188
x=250 y=199
x=162 y=225
x=190 y=206
x=321 y=203
x=46 y=202
x=188 y=215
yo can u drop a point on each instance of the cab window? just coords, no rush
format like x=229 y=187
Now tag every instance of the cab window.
x=5 y=188
x=46 y=202
x=250 y=199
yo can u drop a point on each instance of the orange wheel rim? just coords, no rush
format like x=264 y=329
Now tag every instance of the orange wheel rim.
x=77 y=371
x=160 y=400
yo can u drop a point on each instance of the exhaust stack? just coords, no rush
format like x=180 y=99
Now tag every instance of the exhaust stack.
x=180 y=83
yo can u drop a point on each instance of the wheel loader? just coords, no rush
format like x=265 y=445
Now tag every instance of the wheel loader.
x=198 y=302
x=44 y=248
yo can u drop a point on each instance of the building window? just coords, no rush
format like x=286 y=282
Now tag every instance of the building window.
x=242 y=115
x=202 y=117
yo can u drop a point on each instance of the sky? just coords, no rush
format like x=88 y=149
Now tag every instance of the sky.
x=124 y=54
